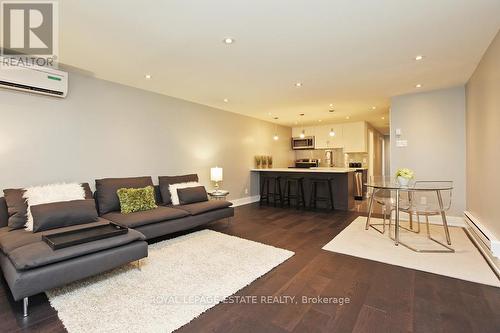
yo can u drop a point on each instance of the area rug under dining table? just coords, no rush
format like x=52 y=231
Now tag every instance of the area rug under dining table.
x=465 y=263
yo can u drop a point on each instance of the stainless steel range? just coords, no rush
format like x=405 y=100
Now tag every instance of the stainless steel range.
x=307 y=163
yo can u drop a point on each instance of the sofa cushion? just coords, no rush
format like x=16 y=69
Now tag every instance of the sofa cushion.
x=38 y=253
x=107 y=199
x=133 y=220
x=205 y=206
x=190 y=195
x=88 y=191
x=16 y=207
x=165 y=181
x=63 y=214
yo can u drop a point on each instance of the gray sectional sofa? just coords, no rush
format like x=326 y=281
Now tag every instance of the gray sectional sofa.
x=30 y=266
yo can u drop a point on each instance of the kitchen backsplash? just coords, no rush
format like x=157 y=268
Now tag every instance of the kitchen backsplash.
x=339 y=158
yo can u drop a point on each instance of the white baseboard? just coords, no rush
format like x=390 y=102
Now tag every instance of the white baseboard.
x=483 y=233
x=495 y=248
x=245 y=200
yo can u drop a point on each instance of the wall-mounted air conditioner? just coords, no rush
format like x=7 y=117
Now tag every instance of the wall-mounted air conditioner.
x=33 y=79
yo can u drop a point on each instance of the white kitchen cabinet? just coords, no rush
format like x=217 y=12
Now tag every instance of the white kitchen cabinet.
x=308 y=131
x=323 y=140
x=352 y=137
x=355 y=137
x=296 y=131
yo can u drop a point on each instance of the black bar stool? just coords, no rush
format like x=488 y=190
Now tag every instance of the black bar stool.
x=314 y=192
x=298 y=184
x=265 y=194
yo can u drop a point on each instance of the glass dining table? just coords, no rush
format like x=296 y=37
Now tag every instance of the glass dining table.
x=391 y=184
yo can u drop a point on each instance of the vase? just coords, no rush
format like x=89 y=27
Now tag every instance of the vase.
x=403 y=181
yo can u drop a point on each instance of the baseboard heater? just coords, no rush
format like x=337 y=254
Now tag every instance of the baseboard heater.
x=483 y=242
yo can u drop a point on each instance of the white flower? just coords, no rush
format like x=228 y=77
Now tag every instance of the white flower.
x=405 y=173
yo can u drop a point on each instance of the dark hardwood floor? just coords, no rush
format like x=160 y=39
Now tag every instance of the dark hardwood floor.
x=383 y=298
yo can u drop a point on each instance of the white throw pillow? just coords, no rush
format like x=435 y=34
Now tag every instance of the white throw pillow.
x=38 y=195
x=173 y=190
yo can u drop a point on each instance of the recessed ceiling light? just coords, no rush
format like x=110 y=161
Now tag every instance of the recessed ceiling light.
x=419 y=57
x=228 y=40
x=347 y=117
x=298 y=84
x=374 y=107
x=225 y=100
x=320 y=120
x=418 y=86
x=147 y=76
x=331 y=105
x=383 y=118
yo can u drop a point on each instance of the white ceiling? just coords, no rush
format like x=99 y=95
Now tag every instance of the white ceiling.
x=353 y=54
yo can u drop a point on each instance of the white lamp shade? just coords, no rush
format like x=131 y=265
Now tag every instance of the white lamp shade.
x=216 y=174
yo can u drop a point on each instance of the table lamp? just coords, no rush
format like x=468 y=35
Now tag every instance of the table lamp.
x=216 y=176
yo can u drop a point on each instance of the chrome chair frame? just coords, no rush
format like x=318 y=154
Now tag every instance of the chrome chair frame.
x=410 y=210
x=384 y=215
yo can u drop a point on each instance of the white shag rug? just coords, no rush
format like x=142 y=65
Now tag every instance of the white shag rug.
x=180 y=279
x=466 y=263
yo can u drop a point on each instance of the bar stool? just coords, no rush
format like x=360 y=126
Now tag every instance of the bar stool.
x=314 y=192
x=265 y=194
x=298 y=184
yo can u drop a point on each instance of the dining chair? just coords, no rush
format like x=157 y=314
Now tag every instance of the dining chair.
x=433 y=202
x=384 y=198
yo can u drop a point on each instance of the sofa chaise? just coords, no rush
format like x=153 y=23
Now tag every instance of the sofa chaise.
x=30 y=266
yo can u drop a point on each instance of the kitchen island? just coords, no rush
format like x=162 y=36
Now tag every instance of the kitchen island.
x=342 y=183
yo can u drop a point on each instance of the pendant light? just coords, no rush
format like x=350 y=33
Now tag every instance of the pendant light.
x=303 y=133
x=275 y=136
x=332 y=132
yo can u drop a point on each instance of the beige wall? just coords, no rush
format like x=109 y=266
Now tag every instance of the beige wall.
x=483 y=148
x=103 y=129
x=434 y=124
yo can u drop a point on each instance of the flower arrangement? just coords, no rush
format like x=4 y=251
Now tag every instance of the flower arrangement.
x=404 y=175
x=263 y=158
x=258 y=161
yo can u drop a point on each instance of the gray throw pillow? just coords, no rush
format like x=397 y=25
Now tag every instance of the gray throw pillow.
x=165 y=181
x=190 y=195
x=16 y=207
x=4 y=213
x=63 y=214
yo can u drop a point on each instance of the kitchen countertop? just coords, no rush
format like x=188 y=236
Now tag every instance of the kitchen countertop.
x=313 y=170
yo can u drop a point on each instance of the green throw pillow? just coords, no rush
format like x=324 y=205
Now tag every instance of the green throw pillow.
x=136 y=199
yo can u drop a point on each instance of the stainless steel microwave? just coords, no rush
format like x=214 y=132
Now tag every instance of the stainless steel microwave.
x=303 y=143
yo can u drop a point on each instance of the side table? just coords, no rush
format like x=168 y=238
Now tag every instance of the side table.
x=218 y=194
